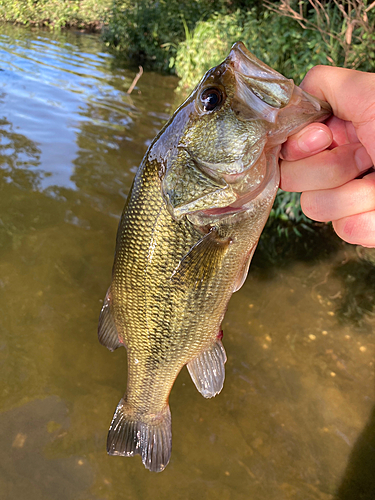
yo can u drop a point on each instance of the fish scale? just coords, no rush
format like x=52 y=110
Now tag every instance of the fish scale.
x=186 y=238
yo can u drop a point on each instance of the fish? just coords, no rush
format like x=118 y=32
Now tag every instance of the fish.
x=186 y=237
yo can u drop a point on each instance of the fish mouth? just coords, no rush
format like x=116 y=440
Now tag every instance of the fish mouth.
x=246 y=64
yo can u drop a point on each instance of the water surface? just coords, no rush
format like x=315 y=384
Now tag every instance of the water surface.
x=295 y=419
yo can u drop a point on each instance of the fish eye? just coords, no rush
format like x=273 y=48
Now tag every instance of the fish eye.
x=211 y=98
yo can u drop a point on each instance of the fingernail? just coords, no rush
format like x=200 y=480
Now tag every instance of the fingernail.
x=314 y=140
x=362 y=159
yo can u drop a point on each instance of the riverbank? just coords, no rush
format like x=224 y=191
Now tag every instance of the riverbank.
x=89 y=15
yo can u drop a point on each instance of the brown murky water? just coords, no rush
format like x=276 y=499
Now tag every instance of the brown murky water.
x=295 y=419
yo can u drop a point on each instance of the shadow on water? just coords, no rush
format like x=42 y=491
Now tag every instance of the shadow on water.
x=359 y=479
x=299 y=383
x=350 y=282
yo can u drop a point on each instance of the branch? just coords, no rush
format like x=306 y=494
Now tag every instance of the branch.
x=134 y=82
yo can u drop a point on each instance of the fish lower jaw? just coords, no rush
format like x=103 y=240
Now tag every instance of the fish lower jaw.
x=240 y=205
x=224 y=211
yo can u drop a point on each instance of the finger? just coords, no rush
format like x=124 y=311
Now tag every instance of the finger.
x=357 y=229
x=317 y=137
x=310 y=140
x=326 y=170
x=351 y=95
x=355 y=197
x=342 y=132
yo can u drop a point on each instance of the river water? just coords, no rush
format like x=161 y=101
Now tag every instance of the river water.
x=295 y=419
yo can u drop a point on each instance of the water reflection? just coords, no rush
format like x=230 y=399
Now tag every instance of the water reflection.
x=19 y=157
x=295 y=418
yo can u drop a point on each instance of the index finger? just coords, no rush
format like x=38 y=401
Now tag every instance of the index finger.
x=310 y=140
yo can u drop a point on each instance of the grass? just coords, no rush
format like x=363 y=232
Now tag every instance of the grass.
x=56 y=14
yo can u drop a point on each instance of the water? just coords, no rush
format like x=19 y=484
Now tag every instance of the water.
x=295 y=419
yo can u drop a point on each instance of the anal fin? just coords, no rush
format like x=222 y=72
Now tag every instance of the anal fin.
x=147 y=435
x=207 y=370
x=107 y=331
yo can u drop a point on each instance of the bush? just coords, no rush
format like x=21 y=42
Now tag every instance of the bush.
x=149 y=31
x=206 y=46
x=346 y=28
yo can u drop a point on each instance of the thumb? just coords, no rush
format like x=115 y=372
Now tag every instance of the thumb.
x=352 y=97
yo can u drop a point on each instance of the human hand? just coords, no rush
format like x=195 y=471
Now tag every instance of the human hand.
x=324 y=160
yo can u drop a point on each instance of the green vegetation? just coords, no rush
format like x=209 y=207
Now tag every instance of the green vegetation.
x=346 y=28
x=150 y=32
x=278 y=41
x=88 y=14
x=187 y=37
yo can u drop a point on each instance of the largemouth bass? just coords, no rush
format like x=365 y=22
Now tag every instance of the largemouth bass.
x=189 y=229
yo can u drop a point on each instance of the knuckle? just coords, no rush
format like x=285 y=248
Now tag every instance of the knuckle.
x=310 y=205
x=338 y=165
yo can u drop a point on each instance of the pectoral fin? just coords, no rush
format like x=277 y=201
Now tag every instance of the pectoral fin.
x=202 y=261
x=107 y=331
x=207 y=370
x=244 y=271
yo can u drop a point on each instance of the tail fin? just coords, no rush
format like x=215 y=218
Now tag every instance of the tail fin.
x=147 y=435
